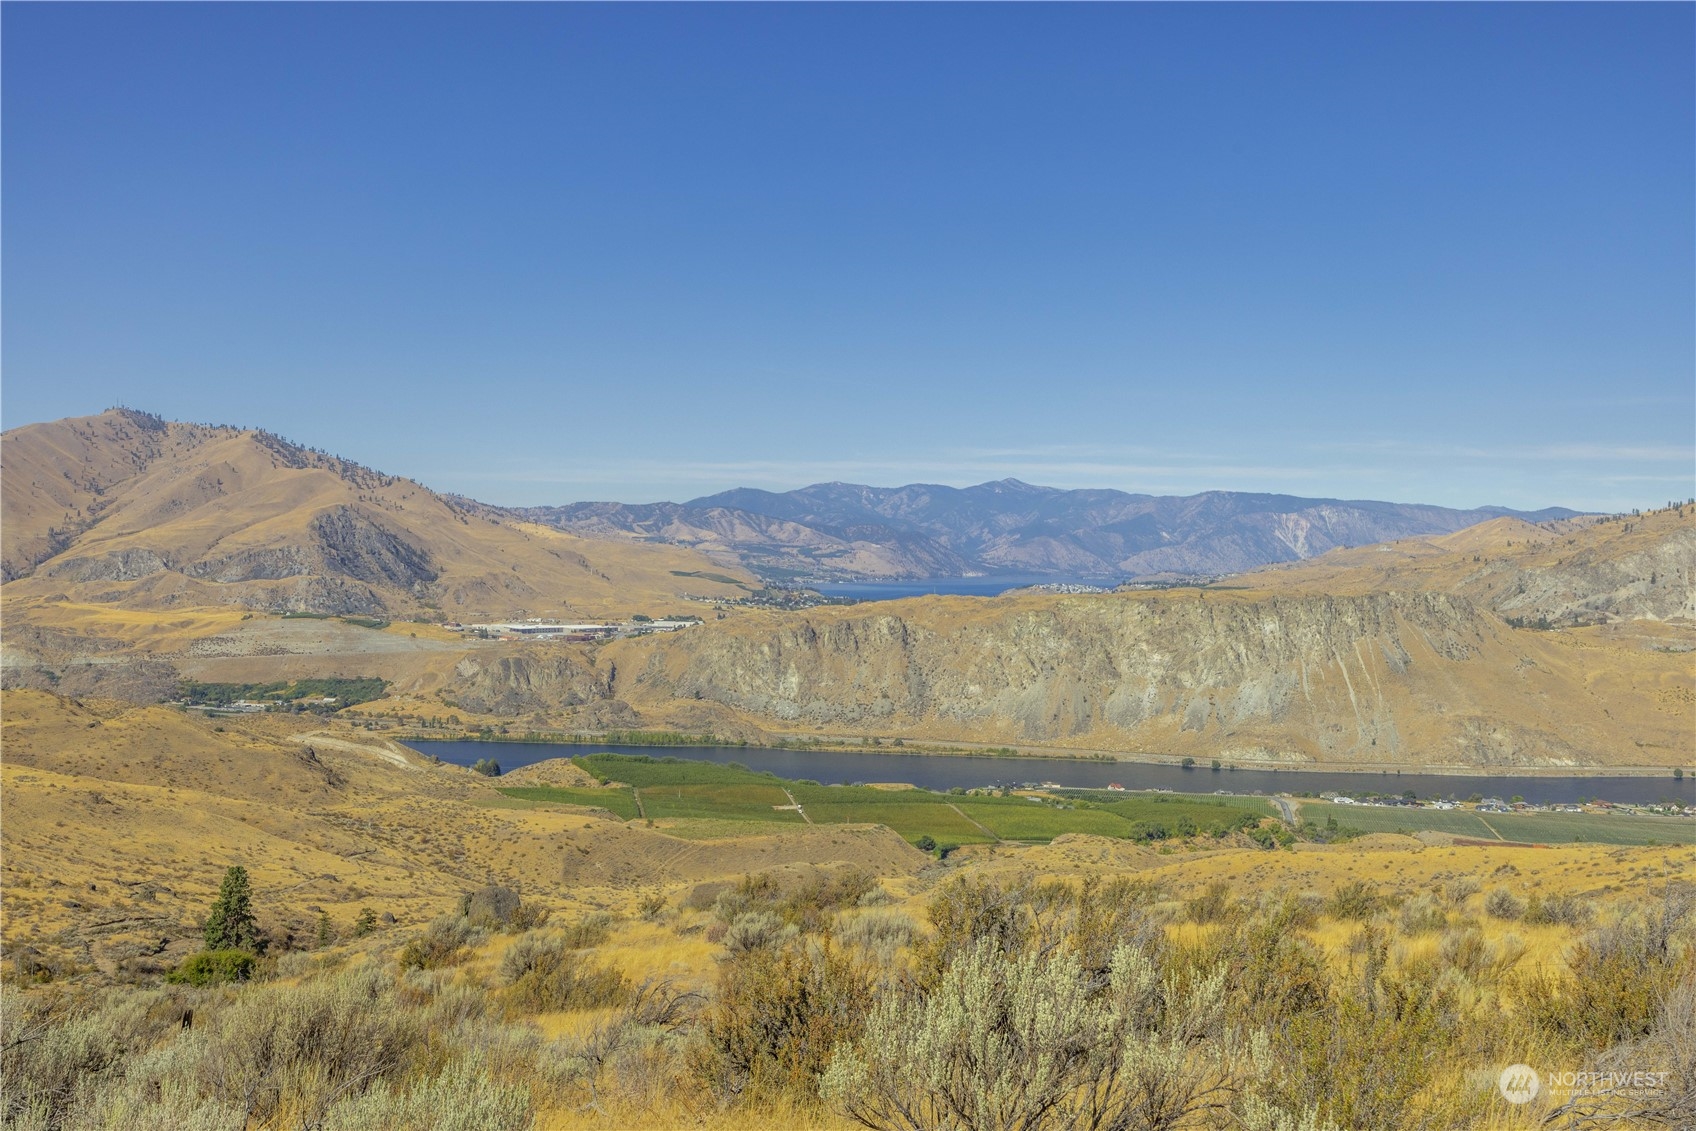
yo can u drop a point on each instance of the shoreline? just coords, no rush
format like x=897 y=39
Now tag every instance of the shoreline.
x=834 y=745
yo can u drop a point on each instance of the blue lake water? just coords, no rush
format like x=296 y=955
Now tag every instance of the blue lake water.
x=956 y=586
x=938 y=771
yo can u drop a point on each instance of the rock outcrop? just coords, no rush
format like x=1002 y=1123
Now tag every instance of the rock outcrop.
x=547 y=678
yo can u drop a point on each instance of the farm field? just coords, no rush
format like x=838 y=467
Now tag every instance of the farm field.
x=722 y=800
x=1168 y=808
x=1016 y=818
x=709 y=799
x=1531 y=828
x=748 y=801
x=643 y=771
x=933 y=819
x=618 y=799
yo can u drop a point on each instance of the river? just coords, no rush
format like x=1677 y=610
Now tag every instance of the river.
x=947 y=586
x=945 y=771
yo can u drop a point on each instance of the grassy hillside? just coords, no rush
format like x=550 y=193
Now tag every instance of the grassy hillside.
x=530 y=962
x=127 y=509
x=1557 y=574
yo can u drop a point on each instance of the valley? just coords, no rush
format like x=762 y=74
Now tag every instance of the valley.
x=222 y=650
x=1510 y=645
x=389 y=888
x=847 y=567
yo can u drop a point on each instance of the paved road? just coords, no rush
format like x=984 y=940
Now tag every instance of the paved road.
x=1288 y=810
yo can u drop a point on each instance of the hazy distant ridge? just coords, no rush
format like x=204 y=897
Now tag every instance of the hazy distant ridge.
x=928 y=530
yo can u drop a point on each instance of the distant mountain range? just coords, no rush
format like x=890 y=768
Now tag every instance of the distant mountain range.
x=847 y=531
x=128 y=508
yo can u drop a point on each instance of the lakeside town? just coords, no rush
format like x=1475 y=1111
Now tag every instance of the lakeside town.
x=536 y=628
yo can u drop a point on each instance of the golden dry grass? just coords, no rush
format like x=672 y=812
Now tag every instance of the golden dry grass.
x=189 y=493
x=149 y=805
x=119 y=821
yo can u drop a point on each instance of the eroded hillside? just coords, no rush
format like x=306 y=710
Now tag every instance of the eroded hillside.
x=1395 y=678
x=1403 y=654
x=127 y=509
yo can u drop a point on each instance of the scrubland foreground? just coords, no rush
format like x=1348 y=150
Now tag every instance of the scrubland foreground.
x=435 y=955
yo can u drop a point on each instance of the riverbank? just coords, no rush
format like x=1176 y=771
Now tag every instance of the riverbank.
x=848 y=744
x=976 y=770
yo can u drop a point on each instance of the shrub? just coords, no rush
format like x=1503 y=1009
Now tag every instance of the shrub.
x=968 y=912
x=1273 y=973
x=809 y=906
x=53 y=1052
x=1557 y=910
x=1504 y=904
x=1211 y=905
x=750 y=893
x=1460 y=889
x=463 y=1097
x=588 y=931
x=778 y=1014
x=703 y=896
x=543 y=974
x=303 y=1048
x=213 y=968
x=1275 y=835
x=754 y=930
x=806 y=907
x=1465 y=949
x=879 y=934
x=1102 y=916
x=1356 y=900
x=926 y=843
x=1033 y=1041
x=1618 y=977
x=443 y=943
x=488 y=767
x=1423 y=915
x=1366 y=1058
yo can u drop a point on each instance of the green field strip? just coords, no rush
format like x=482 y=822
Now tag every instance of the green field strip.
x=935 y=820
x=1020 y=819
x=617 y=800
x=1528 y=828
x=741 y=802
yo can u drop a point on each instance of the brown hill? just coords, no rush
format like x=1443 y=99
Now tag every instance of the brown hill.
x=130 y=510
x=120 y=821
x=159 y=746
x=1396 y=655
x=1582 y=571
x=1565 y=643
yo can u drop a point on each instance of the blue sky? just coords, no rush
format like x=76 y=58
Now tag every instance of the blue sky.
x=540 y=253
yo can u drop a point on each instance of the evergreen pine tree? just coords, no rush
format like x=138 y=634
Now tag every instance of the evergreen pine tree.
x=230 y=925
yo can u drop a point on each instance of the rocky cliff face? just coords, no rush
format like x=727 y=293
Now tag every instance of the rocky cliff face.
x=1379 y=677
x=529 y=680
x=1652 y=582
